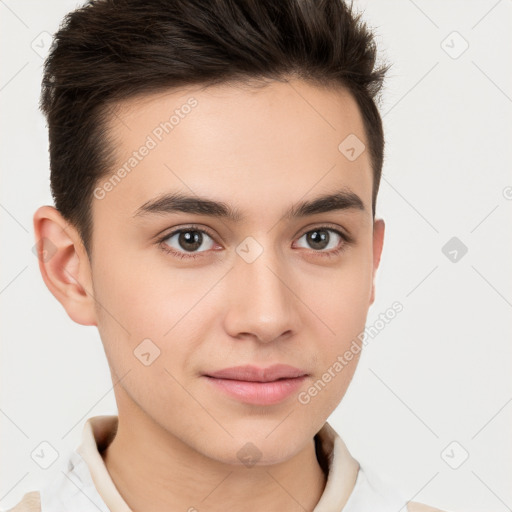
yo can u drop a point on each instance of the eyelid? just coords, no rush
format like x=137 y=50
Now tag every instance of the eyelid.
x=347 y=237
x=188 y=227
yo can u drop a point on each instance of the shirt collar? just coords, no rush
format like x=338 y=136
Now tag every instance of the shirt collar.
x=342 y=468
x=97 y=434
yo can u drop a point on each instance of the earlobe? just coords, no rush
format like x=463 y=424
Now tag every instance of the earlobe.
x=378 y=242
x=64 y=264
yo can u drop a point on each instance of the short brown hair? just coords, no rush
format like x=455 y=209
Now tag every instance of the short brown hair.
x=111 y=50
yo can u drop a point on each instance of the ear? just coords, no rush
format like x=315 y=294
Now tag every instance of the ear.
x=64 y=264
x=378 y=242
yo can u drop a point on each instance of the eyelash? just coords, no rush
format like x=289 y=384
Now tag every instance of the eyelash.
x=181 y=255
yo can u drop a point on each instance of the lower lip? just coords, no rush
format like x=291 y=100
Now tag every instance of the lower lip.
x=258 y=393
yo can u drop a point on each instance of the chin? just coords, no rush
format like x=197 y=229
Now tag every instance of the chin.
x=255 y=447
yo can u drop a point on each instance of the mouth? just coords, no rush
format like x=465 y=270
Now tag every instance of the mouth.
x=251 y=373
x=258 y=386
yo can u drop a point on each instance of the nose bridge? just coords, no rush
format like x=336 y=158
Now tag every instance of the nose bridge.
x=263 y=303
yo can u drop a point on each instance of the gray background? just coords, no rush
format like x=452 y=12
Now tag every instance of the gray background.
x=434 y=386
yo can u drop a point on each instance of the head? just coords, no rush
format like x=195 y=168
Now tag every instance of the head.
x=252 y=127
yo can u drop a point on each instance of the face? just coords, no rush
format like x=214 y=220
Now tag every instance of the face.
x=241 y=274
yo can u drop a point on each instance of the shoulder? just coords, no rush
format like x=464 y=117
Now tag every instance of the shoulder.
x=31 y=502
x=414 y=506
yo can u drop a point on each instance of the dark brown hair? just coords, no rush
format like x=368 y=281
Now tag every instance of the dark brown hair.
x=112 y=50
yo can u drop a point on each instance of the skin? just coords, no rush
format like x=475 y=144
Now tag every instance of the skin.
x=260 y=151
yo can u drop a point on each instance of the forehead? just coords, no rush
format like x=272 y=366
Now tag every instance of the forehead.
x=254 y=147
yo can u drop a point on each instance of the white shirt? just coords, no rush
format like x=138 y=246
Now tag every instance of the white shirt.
x=84 y=485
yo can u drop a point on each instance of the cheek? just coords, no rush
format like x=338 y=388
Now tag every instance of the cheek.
x=141 y=296
x=342 y=298
x=137 y=302
x=342 y=304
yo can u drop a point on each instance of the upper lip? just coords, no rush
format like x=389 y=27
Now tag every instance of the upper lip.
x=257 y=374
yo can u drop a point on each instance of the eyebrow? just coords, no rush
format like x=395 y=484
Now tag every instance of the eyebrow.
x=178 y=202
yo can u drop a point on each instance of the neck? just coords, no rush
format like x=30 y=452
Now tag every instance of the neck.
x=167 y=474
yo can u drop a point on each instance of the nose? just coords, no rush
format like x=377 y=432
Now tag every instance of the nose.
x=262 y=303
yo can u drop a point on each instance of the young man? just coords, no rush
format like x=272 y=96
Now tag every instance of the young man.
x=215 y=168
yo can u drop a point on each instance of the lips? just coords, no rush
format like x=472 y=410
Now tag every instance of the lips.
x=258 y=386
x=250 y=373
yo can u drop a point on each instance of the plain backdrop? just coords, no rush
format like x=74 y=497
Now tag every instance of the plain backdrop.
x=430 y=406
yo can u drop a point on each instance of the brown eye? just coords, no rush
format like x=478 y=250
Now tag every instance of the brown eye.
x=318 y=239
x=322 y=238
x=188 y=241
